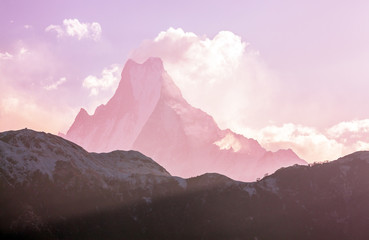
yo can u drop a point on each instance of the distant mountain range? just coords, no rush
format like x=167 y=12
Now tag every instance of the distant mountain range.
x=148 y=113
x=51 y=188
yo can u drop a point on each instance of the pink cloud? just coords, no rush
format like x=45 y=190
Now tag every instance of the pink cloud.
x=226 y=78
x=74 y=28
x=18 y=111
x=110 y=77
x=26 y=77
x=56 y=84
x=222 y=75
x=312 y=144
x=309 y=143
x=5 y=56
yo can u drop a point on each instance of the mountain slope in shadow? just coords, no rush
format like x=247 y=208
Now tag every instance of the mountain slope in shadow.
x=51 y=188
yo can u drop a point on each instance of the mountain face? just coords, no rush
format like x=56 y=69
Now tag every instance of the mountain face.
x=148 y=113
x=51 y=188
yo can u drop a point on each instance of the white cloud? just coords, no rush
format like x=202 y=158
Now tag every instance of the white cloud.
x=220 y=75
x=57 y=28
x=361 y=146
x=229 y=142
x=351 y=133
x=227 y=79
x=23 y=51
x=5 y=56
x=312 y=144
x=309 y=143
x=74 y=28
x=109 y=80
x=352 y=127
x=55 y=85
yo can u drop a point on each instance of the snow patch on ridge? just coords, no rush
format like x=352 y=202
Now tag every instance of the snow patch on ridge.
x=270 y=184
x=26 y=152
x=250 y=190
x=181 y=182
x=229 y=142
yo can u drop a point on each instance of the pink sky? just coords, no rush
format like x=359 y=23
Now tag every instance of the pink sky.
x=290 y=74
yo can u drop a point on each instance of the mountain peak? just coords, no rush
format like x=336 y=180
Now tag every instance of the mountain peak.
x=82 y=118
x=154 y=62
x=137 y=95
x=139 y=80
x=152 y=65
x=83 y=113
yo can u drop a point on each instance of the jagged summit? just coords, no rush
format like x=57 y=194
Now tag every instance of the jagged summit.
x=149 y=114
x=138 y=80
x=126 y=112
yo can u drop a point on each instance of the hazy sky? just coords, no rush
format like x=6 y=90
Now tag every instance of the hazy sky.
x=288 y=73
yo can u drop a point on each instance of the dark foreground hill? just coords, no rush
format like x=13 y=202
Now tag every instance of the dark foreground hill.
x=51 y=188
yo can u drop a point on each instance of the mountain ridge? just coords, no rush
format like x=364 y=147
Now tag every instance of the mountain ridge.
x=148 y=113
x=38 y=151
x=140 y=200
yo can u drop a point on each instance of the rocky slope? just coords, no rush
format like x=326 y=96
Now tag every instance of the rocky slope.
x=53 y=189
x=148 y=113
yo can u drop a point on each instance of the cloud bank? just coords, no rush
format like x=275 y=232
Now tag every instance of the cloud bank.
x=313 y=144
x=222 y=75
x=226 y=78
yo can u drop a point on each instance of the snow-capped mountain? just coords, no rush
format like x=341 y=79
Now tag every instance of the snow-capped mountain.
x=26 y=152
x=148 y=113
x=51 y=188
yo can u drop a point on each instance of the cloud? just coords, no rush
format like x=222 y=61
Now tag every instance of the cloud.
x=312 y=144
x=355 y=132
x=18 y=111
x=74 y=28
x=5 y=56
x=226 y=78
x=23 y=51
x=23 y=99
x=57 y=28
x=221 y=75
x=55 y=85
x=109 y=80
x=349 y=127
x=309 y=143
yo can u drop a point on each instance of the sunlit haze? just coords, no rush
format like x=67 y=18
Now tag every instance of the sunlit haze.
x=291 y=74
